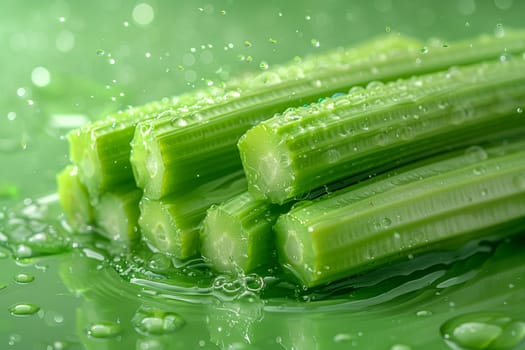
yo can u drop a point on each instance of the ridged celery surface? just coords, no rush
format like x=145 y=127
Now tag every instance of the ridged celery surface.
x=117 y=214
x=74 y=198
x=457 y=196
x=238 y=235
x=380 y=127
x=180 y=151
x=101 y=149
x=171 y=225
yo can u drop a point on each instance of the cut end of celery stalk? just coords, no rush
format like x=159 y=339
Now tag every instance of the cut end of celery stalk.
x=220 y=244
x=74 y=198
x=266 y=164
x=83 y=153
x=117 y=214
x=163 y=234
x=293 y=254
x=147 y=162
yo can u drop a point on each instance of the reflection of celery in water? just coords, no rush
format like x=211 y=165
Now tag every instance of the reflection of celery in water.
x=372 y=315
x=121 y=315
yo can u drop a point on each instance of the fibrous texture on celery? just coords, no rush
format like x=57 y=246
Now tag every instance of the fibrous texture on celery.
x=237 y=234
x=457 y=196
x=380 y=127
x=183 y=150
x=74 y=198
x=171 y=225
x=117 y=213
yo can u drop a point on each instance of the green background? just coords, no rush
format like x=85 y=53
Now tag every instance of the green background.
x=63 y=63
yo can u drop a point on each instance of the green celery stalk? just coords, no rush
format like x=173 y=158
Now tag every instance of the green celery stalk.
x=117 y=214
x=181 y=151
x=74 y=199
x=380 y=127
x=101 y=149
x=461 y=195
x=237 y=234
x=171 y=225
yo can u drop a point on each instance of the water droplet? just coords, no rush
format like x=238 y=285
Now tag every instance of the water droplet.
x=24 y=278
x=519 y=110
x=247 y=43
x=479 y=170
x=499 y=32
x=272 y=41
x=424 y=313
x=100 y=52
x=475 y=154
x=400 y=347
x=264 y=65
x=332 y=156
x=483 y=331
x=156 y=322
x=343 y=337
x=103 y=330
x=159 y=263
x=424 y=50
x=24 y=309
x=388 y=29
x=364 y=124
x=315 y=43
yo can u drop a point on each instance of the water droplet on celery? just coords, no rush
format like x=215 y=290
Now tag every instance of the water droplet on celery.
x=264 y=65
x=332 y=156
x=424 y=313
x=386 y=222
x=100 y=52
x=476 y=154
x=343 y=337
x=24 y=309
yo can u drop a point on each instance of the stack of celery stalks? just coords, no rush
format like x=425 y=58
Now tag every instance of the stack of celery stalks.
x=328 y=166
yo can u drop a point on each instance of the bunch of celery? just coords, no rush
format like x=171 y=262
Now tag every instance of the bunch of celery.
x=280 y=167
